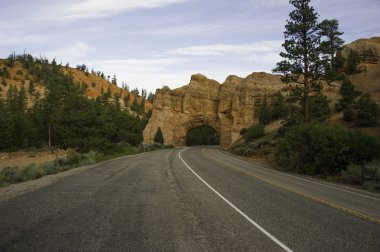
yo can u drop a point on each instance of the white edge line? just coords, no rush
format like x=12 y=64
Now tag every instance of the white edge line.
x=283 y=173
x=235 y=208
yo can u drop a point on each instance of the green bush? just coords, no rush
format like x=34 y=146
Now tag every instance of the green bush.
x=15 y=174
x=254 y=132
x=151 y=147
x=31 y=172
x=246 y=150
x=367 y=175
x=50 y=167
x=324 y=150
x=238 y=150
x=353 y=174
x=11 y=174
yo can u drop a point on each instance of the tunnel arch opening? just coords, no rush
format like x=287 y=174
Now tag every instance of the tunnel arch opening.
x=202 y=135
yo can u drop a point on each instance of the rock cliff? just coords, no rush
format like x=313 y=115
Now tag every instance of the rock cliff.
x=226 y=107
x=368 y=80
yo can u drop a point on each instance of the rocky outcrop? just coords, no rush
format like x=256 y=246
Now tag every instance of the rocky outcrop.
x=226 y=107
x=368 y=79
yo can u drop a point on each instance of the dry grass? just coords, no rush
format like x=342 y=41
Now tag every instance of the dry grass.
x=25 y=158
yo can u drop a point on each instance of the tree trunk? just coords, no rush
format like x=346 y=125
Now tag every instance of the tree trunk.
x=49 y=135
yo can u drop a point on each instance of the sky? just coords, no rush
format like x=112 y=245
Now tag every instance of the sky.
x=152 y=43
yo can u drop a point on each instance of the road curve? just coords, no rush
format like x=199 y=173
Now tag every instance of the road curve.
x=190 y=199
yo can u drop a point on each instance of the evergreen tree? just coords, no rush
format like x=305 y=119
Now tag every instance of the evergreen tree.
x=347 y=92
x=265 y=114
x=143 y=93
x=116 y=97
x=32 y=87
x=279 y=107
x=353 y=61
x=329 y=29
x=135 y=105
x=367 y=111
x=319 y=107
x=126 y=100
x=159 y=138
x=150 y=97
x=114 y=80
x=302 y=67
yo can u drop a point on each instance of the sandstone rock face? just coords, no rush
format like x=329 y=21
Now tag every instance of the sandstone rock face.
x=368 y=80
x=226 y=107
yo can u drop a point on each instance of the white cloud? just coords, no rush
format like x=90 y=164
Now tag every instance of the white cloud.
x=98 y=8
x=19 y=38
x=270 y=3
x=72 y=53
x=224 y=49
x=148 y=73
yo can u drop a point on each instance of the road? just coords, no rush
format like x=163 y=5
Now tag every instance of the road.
x=189 y=199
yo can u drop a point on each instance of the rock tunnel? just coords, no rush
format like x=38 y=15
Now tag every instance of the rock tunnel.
x=227 y=108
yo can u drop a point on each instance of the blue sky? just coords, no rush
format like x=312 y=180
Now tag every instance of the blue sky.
x=151 y=43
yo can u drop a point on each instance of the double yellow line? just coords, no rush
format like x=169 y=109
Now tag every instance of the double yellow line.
x=303 y=194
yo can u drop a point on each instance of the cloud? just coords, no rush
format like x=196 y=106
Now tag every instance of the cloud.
x=20 y=38
x=137 y=65
x=149 y=73
x=72 y=53
x=224 y=49
x=98 y=8
x=269 y=3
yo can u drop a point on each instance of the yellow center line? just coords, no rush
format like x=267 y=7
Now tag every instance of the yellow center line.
x=303 y=194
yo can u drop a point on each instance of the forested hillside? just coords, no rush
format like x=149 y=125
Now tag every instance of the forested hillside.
x=46 y=104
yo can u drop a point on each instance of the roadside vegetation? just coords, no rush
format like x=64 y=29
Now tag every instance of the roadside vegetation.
x=15 y=174
x=307 y=143
x=63 y=117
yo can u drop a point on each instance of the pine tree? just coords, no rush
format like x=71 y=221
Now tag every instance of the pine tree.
x=116 y=97
x=302 y=67
x=347 y=92
x=265 y=114
x=353 y=61
x=114 y=80
x=329 y=29
x=319 y=107
x=159 y=138
x=367 y=111
x=150 y=97
x=279 y=107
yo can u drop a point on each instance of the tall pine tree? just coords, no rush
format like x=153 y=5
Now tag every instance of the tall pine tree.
x=329 y=30
x=302 y=64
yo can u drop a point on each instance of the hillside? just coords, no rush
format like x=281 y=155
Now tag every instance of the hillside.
x=368 y=79
x=237 y=102
x=93 y=83
x=43 y=104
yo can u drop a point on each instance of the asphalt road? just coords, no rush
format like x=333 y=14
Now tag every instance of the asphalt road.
x=191 y=199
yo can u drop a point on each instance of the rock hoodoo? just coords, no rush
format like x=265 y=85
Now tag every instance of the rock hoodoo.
x=227 y=107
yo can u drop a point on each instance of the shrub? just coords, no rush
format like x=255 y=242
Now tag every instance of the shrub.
x=353 y=174
x=50 y=167
x=254 y=132
x=238 y=150
x=31 y=172
x=246 y=150
x=11 y=174
x=151 y=147
x=73 y=158
x=367 y=175
x=324 y=150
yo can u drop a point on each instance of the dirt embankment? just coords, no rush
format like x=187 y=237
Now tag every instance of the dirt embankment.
x=24 y=158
